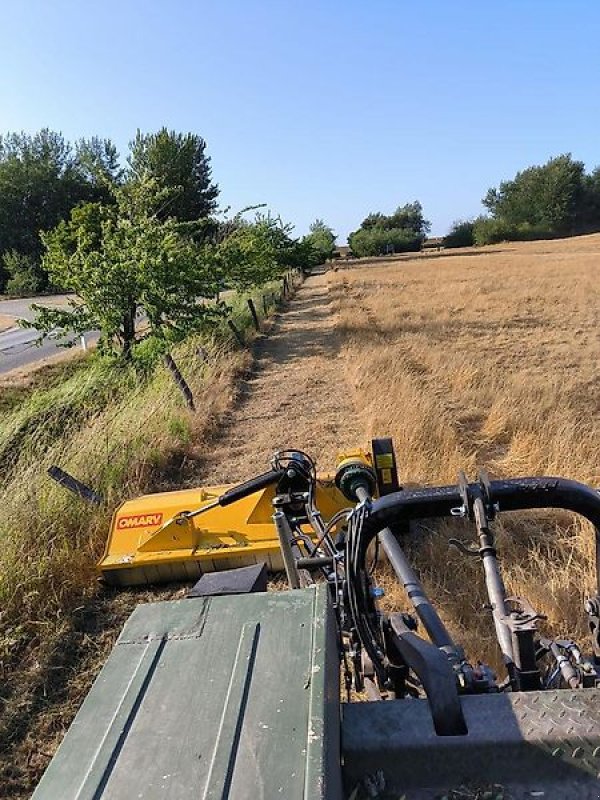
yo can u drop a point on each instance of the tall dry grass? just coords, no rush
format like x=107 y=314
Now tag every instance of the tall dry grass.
x=123 y=433
x=488 y=359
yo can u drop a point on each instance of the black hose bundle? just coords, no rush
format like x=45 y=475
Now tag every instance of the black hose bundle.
x=361 y=607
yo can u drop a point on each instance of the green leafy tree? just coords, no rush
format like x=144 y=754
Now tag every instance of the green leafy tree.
x=588 y=217
x=122 y=259
x=41 y=179
x=460 y=234
x=490 y=230
x=180 y=168
x=301 y=255
x=402 y=231
x=255 y=252
x=97 y=161
x=24 y=274
x=383 y=241
x=409 y=218
x=550 y=197
x=376 y=220
x=321 y=239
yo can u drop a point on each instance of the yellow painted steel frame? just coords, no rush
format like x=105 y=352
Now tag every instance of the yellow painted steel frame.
x=147 y=545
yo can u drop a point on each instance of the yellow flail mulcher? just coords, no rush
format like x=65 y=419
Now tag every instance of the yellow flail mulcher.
x=179 y=535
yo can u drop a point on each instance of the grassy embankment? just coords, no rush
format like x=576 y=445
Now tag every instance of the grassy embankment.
x=486 y=358
x=123 y=434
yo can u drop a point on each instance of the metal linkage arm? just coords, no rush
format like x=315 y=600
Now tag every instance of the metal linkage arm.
x=435 y=673
x=437 y=631
x=516 y=494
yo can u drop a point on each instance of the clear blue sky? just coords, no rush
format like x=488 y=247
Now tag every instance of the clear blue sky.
x=330 y=109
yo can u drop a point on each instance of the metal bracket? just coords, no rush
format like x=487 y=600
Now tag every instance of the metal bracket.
x=592 y=609
x=522 y=624
x=469 y=494
x=435 y=672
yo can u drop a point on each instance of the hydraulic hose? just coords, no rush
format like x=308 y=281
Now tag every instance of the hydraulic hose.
x=437 y=631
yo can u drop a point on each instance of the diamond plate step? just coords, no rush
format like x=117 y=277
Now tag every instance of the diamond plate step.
x=534 y=744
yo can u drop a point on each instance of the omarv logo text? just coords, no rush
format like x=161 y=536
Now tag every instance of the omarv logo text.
x=139 y=521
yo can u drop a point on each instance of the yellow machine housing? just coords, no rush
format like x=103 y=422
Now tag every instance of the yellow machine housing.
x=150 y=543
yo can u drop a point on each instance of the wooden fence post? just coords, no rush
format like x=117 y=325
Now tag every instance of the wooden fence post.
x=75 y=486
x=236 y=333
x=180 y=381
x=265 y=305
x=255 y=319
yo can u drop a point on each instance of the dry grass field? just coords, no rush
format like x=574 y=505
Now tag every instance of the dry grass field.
x=469 y=358
x=486 y=358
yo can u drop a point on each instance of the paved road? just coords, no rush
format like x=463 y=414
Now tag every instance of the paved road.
x=17 y=345
x=21 y=308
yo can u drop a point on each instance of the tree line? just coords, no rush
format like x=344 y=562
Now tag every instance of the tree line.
x=145 y=238
x=402 y=231
x=147 y=235
x=554 y=199
x=558 y=198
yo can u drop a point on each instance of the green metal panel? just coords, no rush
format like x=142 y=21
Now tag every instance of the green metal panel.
x=222 y=697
